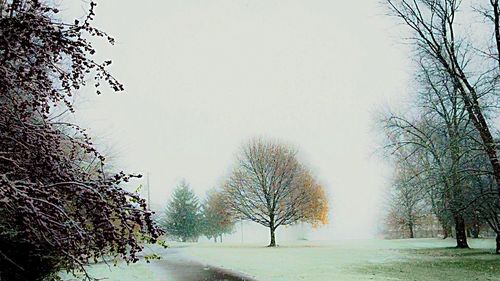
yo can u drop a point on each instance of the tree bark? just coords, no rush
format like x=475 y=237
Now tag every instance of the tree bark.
x=460 y=232
x=497 y=250
x=410 y=228
x=272 y=229
x=273 y=239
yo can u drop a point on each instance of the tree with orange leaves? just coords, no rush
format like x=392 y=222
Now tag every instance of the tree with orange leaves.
x=217 y=219
x=315 y=208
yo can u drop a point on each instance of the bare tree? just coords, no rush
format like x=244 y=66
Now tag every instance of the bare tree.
x=269 y=186
x=472 y=66
x=407 y=199
x=435 y=156
x=484 y=205
x=473 y=70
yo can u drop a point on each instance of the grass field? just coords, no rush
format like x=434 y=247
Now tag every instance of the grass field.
x=415 y=260
x=140 y=271
x=440 y=264
x=404 y=260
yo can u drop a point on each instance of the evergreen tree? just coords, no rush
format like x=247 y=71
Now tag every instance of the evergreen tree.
x=183 y=218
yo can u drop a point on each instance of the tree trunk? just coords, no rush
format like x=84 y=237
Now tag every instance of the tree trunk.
x=215 y=239
x=477 y=229
x=497 y=251
x=272 y=229
x=410 y=228
x=460 y=232
x=273 y=239
x=220 y=240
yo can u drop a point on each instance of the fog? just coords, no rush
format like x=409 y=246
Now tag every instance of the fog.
x=203 y=77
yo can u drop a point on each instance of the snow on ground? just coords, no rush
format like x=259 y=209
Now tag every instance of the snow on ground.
x=340 y=260
x=140 y=271
x=349 y=260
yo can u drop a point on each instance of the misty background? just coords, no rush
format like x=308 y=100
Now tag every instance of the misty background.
x=203 y=77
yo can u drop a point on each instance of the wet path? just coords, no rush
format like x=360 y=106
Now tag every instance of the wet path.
x=178 y=267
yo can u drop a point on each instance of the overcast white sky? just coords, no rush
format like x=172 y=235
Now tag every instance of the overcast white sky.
x=202 y=77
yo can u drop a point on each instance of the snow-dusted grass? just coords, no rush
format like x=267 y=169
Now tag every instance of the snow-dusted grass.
x=362 y=260
x=140 y=271
x=440 y=265
x=419 y=259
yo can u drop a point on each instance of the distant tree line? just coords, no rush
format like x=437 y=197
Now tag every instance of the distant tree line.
x=446 y=147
